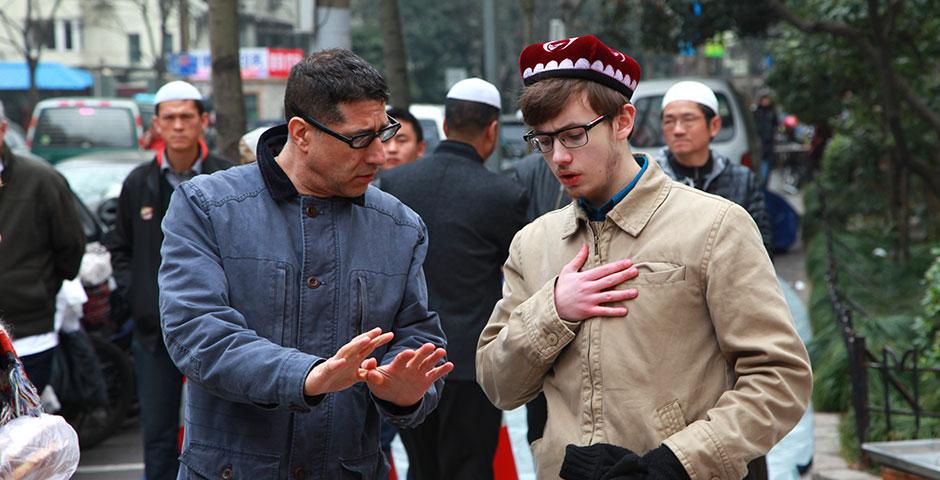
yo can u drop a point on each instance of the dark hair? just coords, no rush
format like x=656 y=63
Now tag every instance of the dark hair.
x=200 y=107
x=545 y=99
x=404 y=116
x=318 y=84
x=468 y=118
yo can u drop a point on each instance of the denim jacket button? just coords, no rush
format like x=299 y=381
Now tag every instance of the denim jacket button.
x=311 y=211
x=313 y=282
x=227 y=473
x=299 y=473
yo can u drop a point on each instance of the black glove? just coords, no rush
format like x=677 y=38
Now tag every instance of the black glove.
x=662 y=464
x=595 y=462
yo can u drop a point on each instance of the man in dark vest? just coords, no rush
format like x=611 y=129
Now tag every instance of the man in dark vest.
x=472 y=215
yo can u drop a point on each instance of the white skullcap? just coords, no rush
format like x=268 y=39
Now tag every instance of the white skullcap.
x=476 y=90
x=176 y=90
x=692 y=91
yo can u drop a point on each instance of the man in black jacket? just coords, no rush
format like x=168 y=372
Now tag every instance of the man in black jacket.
x=41 y=244
x=134 y=243
x=690 y=122
x=472 y=215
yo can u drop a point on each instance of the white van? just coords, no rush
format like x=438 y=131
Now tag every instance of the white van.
x=432 y=122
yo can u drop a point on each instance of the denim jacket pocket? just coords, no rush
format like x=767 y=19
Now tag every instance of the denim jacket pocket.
x=364 y=467
x=261 y=285
x=375 y=300
x=214 y=462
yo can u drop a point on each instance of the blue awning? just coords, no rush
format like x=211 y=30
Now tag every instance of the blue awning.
x=49 y=76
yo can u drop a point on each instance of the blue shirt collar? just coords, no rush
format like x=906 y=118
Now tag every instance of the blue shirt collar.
x=598 y=214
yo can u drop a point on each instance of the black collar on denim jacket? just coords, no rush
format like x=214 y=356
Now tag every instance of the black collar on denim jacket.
x=698 y=175
x=270 y=144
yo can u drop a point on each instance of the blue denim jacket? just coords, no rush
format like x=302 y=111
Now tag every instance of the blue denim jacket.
x=255 y=290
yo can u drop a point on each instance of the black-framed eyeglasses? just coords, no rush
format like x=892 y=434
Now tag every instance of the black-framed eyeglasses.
x=570 y=137
x=361 y=140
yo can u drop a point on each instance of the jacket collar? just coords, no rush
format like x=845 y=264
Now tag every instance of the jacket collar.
x=718 y=162
x=460 y=149
x=270 y=144
x=632 y=213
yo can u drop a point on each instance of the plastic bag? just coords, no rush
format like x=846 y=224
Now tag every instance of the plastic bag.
x=38 y=448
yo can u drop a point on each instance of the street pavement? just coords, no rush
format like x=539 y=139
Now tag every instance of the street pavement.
x=121 y=456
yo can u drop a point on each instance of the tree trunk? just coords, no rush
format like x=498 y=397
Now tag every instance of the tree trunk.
x=32 y=63
x=184 y=25
x=528 y=14
x=892 y=119
x=393 y=46
x=226 y=76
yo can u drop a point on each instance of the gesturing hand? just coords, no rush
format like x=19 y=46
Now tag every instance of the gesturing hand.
x=582 y=295
x=404 y=380
x=342 y=370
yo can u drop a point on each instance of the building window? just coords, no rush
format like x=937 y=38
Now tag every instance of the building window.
x=133 y=48
x=168 y=43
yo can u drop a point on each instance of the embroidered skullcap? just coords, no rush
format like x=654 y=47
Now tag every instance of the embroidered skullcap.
x=580 y=57
x=475 y=90
x=177 y=90
x=696 y=92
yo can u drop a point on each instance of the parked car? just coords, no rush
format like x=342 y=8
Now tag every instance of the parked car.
x=97 y=178
x=16 y=138
x=512 y=147
x=737 y=138
x=65 y=127
x=431 y=118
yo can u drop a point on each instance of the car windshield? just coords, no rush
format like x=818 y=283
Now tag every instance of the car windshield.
x=85 y=127
x=648 y=132
x=94 y=182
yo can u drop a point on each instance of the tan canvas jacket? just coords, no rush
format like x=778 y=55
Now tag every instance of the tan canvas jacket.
x=707 y=361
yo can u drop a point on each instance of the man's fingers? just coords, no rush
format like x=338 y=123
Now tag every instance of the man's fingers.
x=608 y=312
x=369 y=364
x=608 y=269
x=611 y=296
x=428 y=361
x=421 y=354
x=401 y=360
x=358 y=343
x=615 y=279
x=578 y=261
x=435 y=373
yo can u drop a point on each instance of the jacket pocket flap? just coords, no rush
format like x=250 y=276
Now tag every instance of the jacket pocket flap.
x=361 y=467
x=670 y=419
x=658 y=273
x=215 y=462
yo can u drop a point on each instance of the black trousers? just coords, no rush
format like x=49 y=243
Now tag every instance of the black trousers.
x=457 y=440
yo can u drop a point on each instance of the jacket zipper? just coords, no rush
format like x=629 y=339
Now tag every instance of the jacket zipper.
x=590 y=339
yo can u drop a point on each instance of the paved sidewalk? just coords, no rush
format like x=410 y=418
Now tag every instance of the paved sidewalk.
x=827 y=463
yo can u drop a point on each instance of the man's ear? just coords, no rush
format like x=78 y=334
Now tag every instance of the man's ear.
x=204 y=120
x=714 y=126
x=297 y=131
x=446 y=129
x=623 y=122
x=422 y=145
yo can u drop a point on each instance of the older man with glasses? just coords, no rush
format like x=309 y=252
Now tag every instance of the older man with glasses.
x=292 y=293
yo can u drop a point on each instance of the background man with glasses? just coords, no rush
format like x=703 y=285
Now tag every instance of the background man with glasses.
x=292 y=293
x=690 y=122
x=472 y=215
x=706 y=372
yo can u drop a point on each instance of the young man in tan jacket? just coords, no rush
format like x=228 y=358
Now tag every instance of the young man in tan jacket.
x=706 y=372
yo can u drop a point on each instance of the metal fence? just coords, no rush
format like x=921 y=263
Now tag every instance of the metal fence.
x=899 y=373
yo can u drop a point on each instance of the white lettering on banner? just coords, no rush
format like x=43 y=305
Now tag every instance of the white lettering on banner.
x=256 y=63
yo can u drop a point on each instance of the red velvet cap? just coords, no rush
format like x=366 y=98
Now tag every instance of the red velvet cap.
x=580 y=57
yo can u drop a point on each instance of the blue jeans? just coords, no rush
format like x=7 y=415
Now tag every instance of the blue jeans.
x=159 y=386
